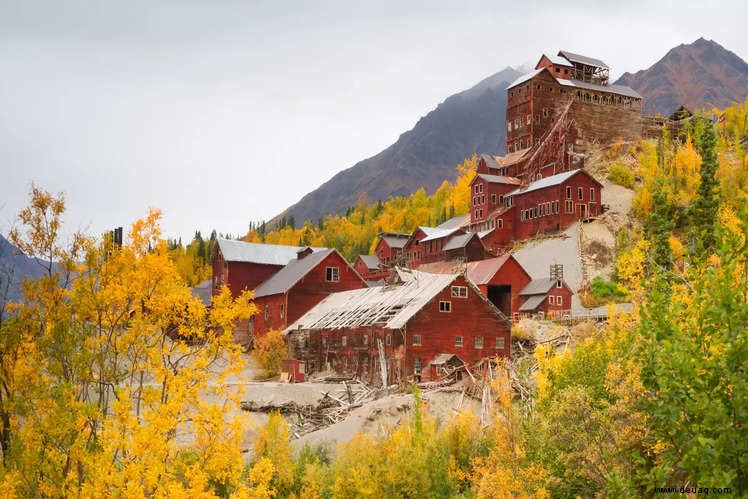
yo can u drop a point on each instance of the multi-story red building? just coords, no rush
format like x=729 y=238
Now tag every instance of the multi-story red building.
x=563 y=107
x=370 y=268
x=390 y=247
x=422 y=319
x=549 y=297
x=299 y=286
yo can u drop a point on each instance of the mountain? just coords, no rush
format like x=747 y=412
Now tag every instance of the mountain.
x=14 y=268
x=469 y=122
x=700 y=75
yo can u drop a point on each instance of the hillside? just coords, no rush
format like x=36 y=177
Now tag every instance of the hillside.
x=465 y=123
x=14 y=268
x=702 y=74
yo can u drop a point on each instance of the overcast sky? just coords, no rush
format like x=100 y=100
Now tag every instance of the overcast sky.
x=222 y=112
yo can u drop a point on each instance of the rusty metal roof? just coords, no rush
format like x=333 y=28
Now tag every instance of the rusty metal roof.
x=582 y=59
x=390 y=306
x=481 y=272
x=499 y=179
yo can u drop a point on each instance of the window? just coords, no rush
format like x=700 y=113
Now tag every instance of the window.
x=592 y=193
x=569 y=207
x=388 y=340
x=366 y=340
x=580 y=193
x=458 y=341
x=476 y=188
x=459 y=291
x=500 y=223
x=480 y=187
x=559 y=300
x=332 y=274
x=445 y=306
x=499 y=343
x=281 y=310
x=509 y=126
x=267 y=312
x=344 y=341
x=559 y=284
x=479 y=342
x=493 y=199
x=417 y=366
x=568 y=192
x=551 y=299
x=416 y=339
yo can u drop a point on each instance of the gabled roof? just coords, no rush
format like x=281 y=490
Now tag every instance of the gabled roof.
x=268 y=254
x=482 y=271
x=395 y=239
x=532 y=303
x=490 y=160
x=538 y=287
x=512 y=157
x=459 y=241
x=525 y=77
x=288 y=276
x=455 y=222
x=613 y=89
x=390 y=306
x=371 y=261
x=582 y=59
x=555 y=59
x=551 y=181
x=499 y=179
x=436 y=233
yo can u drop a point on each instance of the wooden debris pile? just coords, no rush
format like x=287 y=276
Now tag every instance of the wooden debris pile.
x=332 y=408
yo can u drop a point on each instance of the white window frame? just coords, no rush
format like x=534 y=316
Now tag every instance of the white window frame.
x=500 y=344
x=592 y=193
x=559 y=301
x=478 y=342
x=332 y=274
x=459 y=292
x=445 y=306
x=458 y=341
x=551 y=300
x=416 y=340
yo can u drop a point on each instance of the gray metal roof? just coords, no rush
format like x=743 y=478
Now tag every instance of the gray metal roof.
x=611 y=89
x=269 y=254
x=371 y=261
x=582 y=59
x=557 y=179
x=455 y=222
x=490 y=161
x=391 y=306
x=498 y=179
x=524 y=78
x=459 y=241
x=396 y=240
x=436 y=233
x=285 y=278
x=532 y=303
x=558 y=60
x=538 y=286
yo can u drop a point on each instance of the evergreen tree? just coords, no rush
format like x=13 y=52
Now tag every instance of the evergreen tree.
x=706 y=206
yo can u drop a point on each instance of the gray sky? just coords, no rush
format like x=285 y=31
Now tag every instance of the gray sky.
x=222 y=112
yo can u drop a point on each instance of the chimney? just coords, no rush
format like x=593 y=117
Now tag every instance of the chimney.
x=303 y=252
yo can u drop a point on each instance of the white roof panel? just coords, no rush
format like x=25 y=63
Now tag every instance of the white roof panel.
x=269 y=254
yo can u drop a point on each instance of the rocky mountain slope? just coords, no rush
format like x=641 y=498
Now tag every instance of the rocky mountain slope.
x=699 y=75
x=465 y=123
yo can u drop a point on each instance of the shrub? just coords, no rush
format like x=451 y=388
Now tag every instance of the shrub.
x=605 y=289
x=269 y=350
x=621 y=175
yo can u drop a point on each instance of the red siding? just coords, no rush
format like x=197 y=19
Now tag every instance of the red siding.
x=510 y=274
x=304 y=295
x=369 y=274
x=239 y=276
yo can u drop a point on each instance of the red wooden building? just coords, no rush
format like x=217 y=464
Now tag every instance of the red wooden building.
x=403 y=326
x=370 y=268
x=499 y=279
x=554 y=203
x=390 y=247
x=299 y=286
x=548 y=297
x=244 y=266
